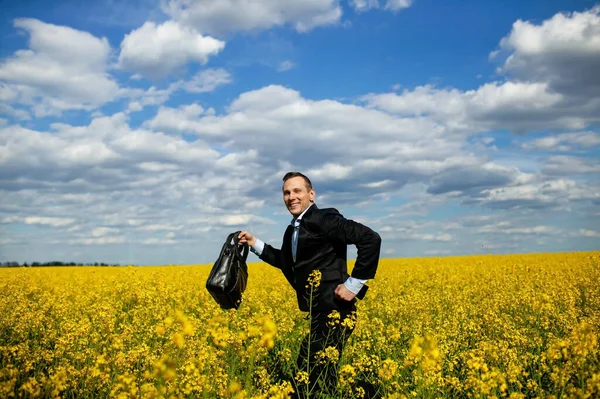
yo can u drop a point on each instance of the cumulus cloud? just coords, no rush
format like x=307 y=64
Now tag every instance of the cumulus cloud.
x=156 y=50
x=510 y=105
x=101 y=151
x=123 y=186
x=344 y=138
x=563 y=51
x=63 y=69
x=552 y=82
x=376 y=146
x=222 y=17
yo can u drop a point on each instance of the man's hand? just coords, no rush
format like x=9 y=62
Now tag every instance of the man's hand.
x=344 y=293
x=247 y=237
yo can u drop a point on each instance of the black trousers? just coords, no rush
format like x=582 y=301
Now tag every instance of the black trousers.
x=317 y=356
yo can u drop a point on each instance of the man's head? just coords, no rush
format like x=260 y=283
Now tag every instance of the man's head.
x=298 y=192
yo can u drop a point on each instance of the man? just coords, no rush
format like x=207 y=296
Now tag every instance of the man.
x=317 y=240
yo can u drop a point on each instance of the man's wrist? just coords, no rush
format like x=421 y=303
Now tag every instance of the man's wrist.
x=354 y=285
x=257 y=247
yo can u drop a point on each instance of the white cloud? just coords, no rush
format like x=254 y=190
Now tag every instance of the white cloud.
x=134 y=106
x=395 y=5
x=103 y=231
x=160 y=227
x=97 y=241
x=531 y=230
x=392 y=5
x=589 y=233
x=285 y=66
x=476 y=177
x=444 y=237
x=234 y=220
x=277 y=120
x=361 y=147
x=510 y=97
x=423 y=100
x=513 y=105
x=183 y=119
x=16 y=113
x=204 y=81
x=156 y=166
x=207 y=80
x=329 y=171
x=159 y=241
x=564 y=142
x=570 y=165
x=563 y=50
x=151 y=96
x=537 y=195
x=43 y=220
x=105 y=150
x=552 y=82
x=222 y=17
x=509 y=227
x=160 y=147
x=63 y=69
x=156 y=50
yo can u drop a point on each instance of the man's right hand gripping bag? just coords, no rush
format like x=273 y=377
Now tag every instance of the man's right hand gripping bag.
x=229 y=275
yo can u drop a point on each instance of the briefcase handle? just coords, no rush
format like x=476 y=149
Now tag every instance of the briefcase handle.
x=236 y=247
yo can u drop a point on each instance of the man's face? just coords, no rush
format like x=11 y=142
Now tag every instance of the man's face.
x=296 y=196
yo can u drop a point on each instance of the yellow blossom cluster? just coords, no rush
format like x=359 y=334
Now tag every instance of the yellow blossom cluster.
x=512 y=326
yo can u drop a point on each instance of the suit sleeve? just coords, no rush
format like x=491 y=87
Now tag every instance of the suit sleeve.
x=272 y=256
x=367 y=242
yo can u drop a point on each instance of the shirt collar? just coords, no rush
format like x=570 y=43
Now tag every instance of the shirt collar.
x=296 y=222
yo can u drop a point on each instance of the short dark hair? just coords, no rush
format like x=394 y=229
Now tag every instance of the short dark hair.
x=289 y=175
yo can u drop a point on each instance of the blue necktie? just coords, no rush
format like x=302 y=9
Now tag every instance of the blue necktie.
x=295 y=240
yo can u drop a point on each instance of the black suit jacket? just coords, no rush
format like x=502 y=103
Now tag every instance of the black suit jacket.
x=323 y=237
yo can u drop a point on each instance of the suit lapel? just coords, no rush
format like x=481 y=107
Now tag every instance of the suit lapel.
x=288 y=261
x=286 y=247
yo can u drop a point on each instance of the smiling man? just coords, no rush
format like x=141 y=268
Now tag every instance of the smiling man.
x=317 y=240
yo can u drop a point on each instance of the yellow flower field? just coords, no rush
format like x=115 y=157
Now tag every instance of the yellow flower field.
x=515 y=326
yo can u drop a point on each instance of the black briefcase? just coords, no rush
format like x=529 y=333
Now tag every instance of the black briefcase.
x=229 y=275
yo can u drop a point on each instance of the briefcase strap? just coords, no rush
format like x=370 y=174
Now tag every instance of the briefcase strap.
x=236 y=247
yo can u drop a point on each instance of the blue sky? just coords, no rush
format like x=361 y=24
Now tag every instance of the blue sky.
x=144 y=131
